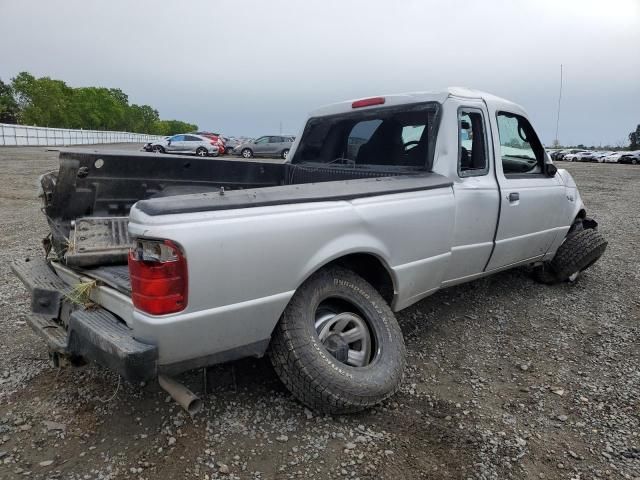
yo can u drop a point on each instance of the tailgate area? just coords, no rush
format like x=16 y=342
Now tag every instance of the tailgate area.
x=87 y=331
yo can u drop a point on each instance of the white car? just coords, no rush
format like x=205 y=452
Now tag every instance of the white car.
x=613 y=157
x=575 y=157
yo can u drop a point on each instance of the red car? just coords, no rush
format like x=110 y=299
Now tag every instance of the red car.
x=216 y=138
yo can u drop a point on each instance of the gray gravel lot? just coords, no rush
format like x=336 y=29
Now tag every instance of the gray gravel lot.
x=506 y=378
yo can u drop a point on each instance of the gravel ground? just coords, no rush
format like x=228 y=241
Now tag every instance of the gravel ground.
x=506 y=379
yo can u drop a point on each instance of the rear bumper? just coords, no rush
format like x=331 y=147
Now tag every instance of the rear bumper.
x=91 y=333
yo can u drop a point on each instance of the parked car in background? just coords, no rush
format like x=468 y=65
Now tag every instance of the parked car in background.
x=600 y=156
x=613 y=157
x=572 y=157
x=587 y=156
x=561 y=154
x=216 y=138
x=266 y=146
x=630 y=157
x=185 y=143
x=230 y=143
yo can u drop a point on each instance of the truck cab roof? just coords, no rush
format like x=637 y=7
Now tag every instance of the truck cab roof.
x=421 y=97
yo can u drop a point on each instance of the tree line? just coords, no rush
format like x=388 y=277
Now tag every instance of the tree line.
x=47 y=102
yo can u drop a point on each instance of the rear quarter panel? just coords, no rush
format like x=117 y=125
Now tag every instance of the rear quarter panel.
x=245 y=264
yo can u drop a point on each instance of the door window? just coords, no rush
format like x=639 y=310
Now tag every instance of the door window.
x=177 y=138
x=274 y=139
x=472 y=146
x=262 y=140
x=520 y=148
x=191 y=138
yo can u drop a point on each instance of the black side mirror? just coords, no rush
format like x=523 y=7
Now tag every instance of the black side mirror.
x=550 y=169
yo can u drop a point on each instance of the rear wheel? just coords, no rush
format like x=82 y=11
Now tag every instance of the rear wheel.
x=158 y=149
x=247 y=153
x=201 y=152
x=634 y=161
x=338 y=347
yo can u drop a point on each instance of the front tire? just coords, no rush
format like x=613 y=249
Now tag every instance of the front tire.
x=578 y=252
x=158 y=149
x=338 y=347
x=247 y=153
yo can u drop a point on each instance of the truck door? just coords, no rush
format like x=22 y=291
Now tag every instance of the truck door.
x=477 y=196
x=531 y=201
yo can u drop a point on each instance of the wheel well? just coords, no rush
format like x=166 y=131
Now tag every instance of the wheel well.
x=582 y=214
x=370 y=268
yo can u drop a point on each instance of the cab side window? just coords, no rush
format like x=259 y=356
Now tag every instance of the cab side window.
x=262 y=140
x=472 y=144
x=520 y=148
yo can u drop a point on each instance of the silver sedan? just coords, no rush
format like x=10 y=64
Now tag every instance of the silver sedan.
x=185 y=144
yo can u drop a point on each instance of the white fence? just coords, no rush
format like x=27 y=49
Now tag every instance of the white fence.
x=15 y=135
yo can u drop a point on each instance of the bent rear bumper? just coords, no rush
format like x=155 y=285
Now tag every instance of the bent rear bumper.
x=92 y=333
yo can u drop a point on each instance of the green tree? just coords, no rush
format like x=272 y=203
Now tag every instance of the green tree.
x=9 y=110
x=171 y=127
x=47 y=102
x=634 y=139
x=43 y=101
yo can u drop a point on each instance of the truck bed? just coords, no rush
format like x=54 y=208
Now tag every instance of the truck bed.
x=87 y=202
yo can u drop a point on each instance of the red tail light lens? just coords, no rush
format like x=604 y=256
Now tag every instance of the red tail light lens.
x=158 y=273
x=367 y=102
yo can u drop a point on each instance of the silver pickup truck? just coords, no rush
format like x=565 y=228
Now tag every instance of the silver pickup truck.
x=160 y=264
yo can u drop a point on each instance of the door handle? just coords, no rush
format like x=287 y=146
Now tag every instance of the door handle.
x=514 y=196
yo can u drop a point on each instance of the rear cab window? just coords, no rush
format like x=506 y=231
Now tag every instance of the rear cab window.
x=397 y=136
x=521 y=151
x=472 y=143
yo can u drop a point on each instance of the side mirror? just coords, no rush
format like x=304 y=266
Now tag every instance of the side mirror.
x=550 y=169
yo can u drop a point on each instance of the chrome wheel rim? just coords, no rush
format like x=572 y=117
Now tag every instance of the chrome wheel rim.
x=345 y=335
x=201 y=153
x=246 y=154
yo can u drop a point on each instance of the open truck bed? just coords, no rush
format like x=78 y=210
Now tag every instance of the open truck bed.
x=88 y=200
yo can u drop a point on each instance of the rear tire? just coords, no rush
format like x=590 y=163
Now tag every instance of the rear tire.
x=361 y=358
x=201 y=152
x=578 y=252
x=247 y=153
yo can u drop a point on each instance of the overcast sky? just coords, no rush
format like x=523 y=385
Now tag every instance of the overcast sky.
x=242 y=67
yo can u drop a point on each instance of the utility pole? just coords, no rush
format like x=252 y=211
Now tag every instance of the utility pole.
x=557 y=141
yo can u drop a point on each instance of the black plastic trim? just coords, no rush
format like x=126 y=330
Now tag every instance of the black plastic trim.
x=289 y=194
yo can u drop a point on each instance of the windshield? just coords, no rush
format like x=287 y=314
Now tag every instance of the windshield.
x=390 y=136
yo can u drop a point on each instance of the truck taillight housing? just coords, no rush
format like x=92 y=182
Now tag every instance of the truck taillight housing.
x=158 y=273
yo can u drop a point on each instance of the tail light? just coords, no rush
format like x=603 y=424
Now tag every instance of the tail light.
x=158 y=272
